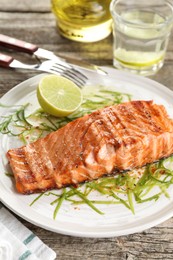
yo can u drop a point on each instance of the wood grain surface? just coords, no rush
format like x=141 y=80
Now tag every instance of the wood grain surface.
x=33 y=21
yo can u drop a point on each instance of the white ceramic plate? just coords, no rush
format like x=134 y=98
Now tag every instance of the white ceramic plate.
x=82 y=221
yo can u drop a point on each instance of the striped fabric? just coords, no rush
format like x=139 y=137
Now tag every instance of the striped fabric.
x=18 y=243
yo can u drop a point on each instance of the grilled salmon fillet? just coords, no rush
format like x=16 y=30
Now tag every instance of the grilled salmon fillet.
x=115 y=138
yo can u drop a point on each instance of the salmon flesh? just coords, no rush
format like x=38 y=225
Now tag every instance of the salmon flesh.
x=116 y=138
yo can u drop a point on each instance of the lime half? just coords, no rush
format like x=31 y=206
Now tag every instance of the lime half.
x=58 y=96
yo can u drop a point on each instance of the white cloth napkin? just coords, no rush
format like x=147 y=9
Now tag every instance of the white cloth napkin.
x=18 y=243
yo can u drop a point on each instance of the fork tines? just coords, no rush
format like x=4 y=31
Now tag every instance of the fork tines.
x=70 y=73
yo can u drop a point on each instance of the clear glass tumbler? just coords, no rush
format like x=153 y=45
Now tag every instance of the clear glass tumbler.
x=83 y=20
x=141 y=32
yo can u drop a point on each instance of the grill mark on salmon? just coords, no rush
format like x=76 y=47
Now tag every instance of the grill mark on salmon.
x=120 y=137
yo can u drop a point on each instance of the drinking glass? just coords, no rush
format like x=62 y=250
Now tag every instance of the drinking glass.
x=83 y=20
x=141 y=32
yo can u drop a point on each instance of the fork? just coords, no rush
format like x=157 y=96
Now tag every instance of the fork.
x=49 y=66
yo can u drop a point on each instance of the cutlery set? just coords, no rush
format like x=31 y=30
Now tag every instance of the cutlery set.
x=46 y=66
x=67 y=67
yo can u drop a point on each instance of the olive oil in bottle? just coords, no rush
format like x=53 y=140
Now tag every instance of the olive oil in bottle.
x=83 y=20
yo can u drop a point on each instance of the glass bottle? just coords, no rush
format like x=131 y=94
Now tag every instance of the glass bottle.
x=83 y=20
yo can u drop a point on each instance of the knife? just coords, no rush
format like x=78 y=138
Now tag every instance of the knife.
x=32 y=49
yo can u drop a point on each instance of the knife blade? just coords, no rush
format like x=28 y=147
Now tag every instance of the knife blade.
x=32 y=49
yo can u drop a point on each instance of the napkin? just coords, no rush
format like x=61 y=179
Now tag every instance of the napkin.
x=18 y=243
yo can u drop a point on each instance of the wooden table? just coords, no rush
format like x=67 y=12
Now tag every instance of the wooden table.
x=32 y=21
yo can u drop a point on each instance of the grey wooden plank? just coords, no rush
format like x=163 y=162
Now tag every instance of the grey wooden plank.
x=25 y=6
